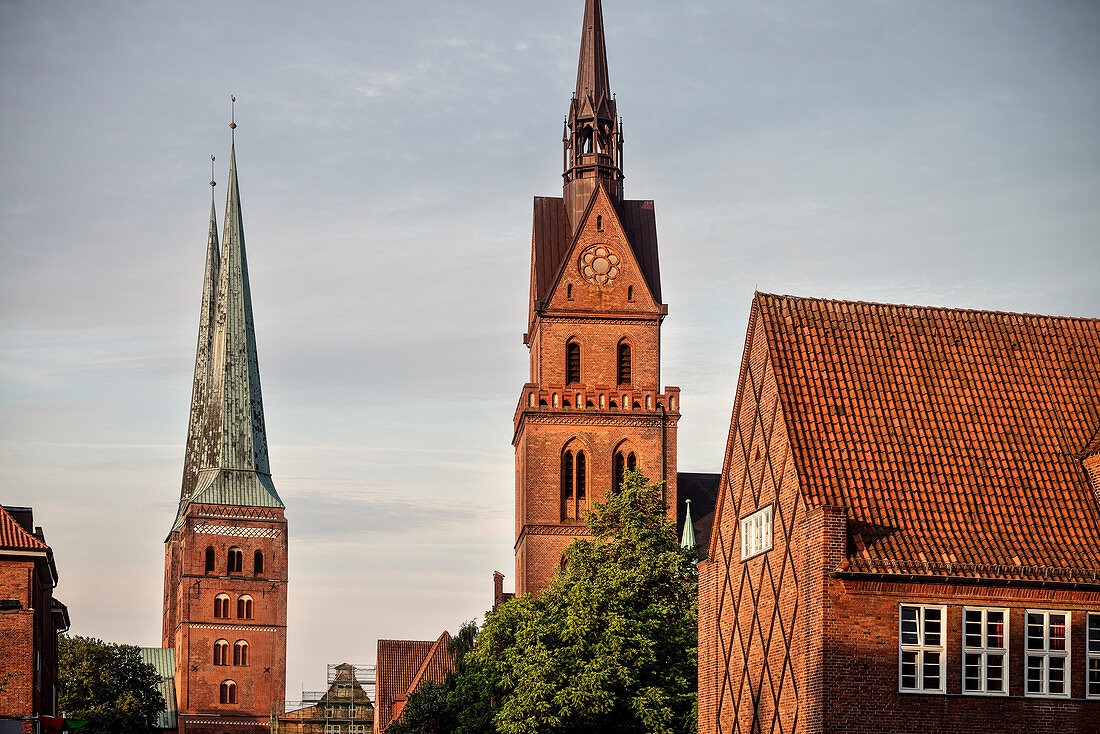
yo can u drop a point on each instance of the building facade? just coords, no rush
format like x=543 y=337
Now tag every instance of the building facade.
x=403 y=666
x=30 y=620
x=226 y=566
x=344 y=708
x=908 y=529
x=593 y=406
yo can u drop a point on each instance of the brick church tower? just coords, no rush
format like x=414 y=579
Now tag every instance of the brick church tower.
x=225 y=562
x=593 y=407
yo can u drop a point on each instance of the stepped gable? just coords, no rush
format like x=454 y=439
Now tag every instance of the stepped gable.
x=953 y=438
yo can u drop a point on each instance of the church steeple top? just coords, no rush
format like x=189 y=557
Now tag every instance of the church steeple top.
x=592 y=68
x=593 y=136
x=235 y=468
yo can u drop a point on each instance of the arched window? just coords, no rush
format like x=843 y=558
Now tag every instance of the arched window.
x=624 y=461
x=244 y=607
x=221 y=606
x=236 y=560
x=210 y=561
x=221 y=652
x=258 y=563
x=624 y=363
x=228 y=692
x=240 y=653
x=630 y=293
x=572 y=362
x=569 y=291
x=574 y=484
x=599 y=223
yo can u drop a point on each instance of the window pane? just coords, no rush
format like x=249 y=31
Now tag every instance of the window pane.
x=909 y=626
x=1057 y=632
x=931 y=670
x=995 y=629
x=1035 y=632
x=972 y=628
x=994 y=673
x=932 y=627
x=1034 y=674
x=972 y=672
x=909 y=670
x=1094 y=633
x=1057 y=675
x=1094 y=677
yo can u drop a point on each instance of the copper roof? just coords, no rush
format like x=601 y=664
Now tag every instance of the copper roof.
x=14 y=536
x=402 y=666
x=552 y=238
x=592 y=66
x=951 y=436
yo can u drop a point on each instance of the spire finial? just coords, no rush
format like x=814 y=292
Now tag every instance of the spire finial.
x=233 y=116
x=213 y=183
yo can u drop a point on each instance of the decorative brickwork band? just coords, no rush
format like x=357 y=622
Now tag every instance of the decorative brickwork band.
x=234 y=532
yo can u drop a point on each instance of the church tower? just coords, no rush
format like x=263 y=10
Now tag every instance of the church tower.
x=593 y=407
x=225 y=571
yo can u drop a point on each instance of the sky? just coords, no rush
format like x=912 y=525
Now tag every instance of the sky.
x=942 y=152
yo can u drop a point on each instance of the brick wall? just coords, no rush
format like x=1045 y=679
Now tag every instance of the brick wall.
x=198 y=680
x=606 y=417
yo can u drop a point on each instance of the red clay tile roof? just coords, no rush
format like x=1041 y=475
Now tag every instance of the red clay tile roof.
x=402 y=665
x=552 y=236
x=951 y=436
x=14 y=537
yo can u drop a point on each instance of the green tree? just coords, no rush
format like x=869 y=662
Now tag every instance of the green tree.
x=609 y=646
x=108 y=685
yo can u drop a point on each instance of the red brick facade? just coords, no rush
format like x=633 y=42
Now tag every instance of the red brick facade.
x=593 y=404
x=897 y=478
x=30 y=619
x=260 y=677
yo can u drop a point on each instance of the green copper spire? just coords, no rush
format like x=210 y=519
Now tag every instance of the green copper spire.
x=235 y=468
x=687 y=540
x=193 y=451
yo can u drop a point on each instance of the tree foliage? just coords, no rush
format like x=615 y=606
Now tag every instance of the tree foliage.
x=108 y=685
x=609 y=646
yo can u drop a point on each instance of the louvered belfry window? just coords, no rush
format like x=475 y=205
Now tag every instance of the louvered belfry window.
x=624 y=363
x=572 y=363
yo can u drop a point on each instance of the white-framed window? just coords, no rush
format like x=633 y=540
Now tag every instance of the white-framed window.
x=1046 y=653
x=332 y=729
x=756 y=533
x=1092 y=656
x=921 y=640
x=358 y=729
x=985 y=651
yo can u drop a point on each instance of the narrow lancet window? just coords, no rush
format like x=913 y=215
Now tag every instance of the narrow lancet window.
x=210 y=561
x=572 y=363
x=624 y=363
x=258 y=563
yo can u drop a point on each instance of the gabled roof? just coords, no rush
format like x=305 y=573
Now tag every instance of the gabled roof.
x=13 y=536
x=951 y=436
x=402 y=666
x=552 y=238
x=164 y=660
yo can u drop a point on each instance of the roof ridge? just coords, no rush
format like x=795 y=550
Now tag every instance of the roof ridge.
x=990 y=312
x=422 y=671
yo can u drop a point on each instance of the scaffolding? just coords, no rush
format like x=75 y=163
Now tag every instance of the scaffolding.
x=347 y=707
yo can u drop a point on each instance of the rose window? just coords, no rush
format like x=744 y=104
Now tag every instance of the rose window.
x=599 y=265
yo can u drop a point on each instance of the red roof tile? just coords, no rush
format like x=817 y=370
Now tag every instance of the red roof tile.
x=14 y=537
x=951 y=436
x=402 y=665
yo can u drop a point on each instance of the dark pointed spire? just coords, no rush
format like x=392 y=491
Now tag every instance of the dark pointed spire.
x=594 y=143
x=235 y=468
x=592 y=69
x=193 y=451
